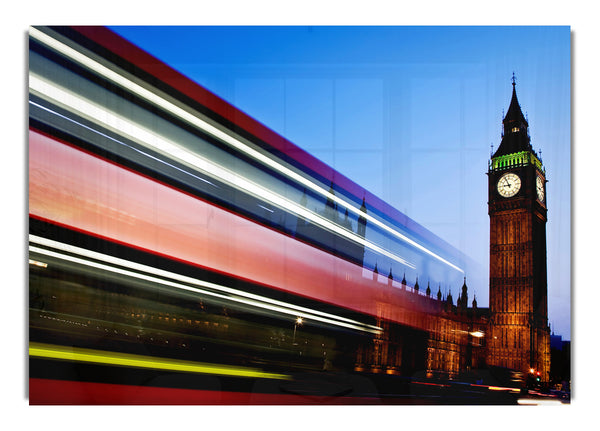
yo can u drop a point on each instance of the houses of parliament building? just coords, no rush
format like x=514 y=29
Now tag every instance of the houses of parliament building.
x=457 y=336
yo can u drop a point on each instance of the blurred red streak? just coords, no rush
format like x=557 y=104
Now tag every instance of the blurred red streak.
x=64 y=392
x=73 y=188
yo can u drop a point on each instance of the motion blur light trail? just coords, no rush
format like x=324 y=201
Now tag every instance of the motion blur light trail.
x=179 y=233
x=171 y=149
x=146 y=273
x=128 y=360
x=224 y=136
x=193 y=256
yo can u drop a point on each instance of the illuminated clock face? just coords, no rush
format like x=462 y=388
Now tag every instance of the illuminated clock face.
x=539 y=186
x=509 y=185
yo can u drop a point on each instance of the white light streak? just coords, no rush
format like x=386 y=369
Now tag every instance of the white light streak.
x=151 y=274
x=266 y=209
x=38 y=263
x=538 y=402
x=104 y=135
x=135 y=132
x=226 y=137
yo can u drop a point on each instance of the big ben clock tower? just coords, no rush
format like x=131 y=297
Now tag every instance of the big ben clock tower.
x=519 y=337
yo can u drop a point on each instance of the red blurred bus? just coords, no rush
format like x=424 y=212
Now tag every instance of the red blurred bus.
x=182 y=253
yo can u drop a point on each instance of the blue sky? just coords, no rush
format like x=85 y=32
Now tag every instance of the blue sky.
x=409 y=113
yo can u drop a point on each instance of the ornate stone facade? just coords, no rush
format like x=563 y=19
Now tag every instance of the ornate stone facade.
x=513 y=332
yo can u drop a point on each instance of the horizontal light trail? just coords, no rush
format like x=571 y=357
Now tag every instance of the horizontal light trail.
x=538 y=402
x=77 y=354
x=225 y=137
x=226 y=293
x=81 y=192
x=104 y=135
x=145 y=137
x=38 y=263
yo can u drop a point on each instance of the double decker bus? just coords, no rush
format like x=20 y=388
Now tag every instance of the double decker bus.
x=181 y=252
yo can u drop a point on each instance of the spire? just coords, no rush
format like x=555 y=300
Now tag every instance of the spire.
x=362 y=220
x=462 y=301
x=428 y=291
x=417 y=285
x=515 y=135
x=346 y=222
x=363 y=207
x=514 y=116
x=330 y=206
x=439 y=294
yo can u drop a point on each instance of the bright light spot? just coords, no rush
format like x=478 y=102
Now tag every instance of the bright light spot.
x=38 y=263
x=299 y=320
x=537 y=402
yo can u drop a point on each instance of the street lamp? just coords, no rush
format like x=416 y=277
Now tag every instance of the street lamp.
x=298 y=322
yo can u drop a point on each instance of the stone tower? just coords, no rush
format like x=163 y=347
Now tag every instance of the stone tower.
x=518 y=336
